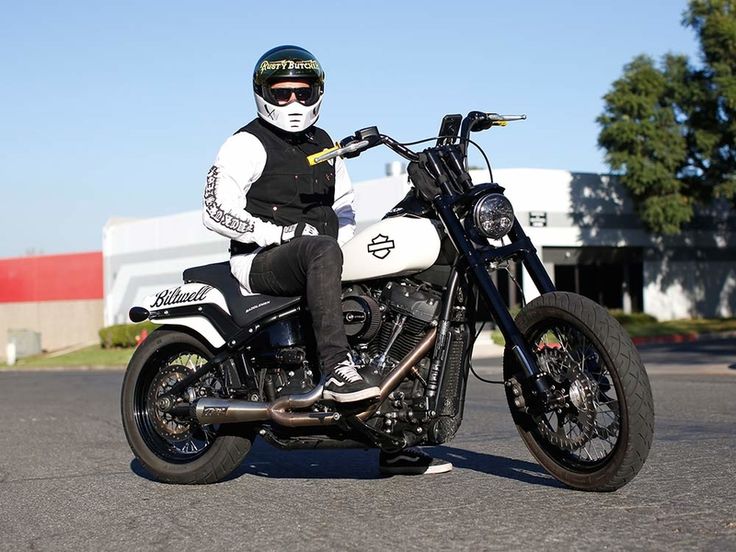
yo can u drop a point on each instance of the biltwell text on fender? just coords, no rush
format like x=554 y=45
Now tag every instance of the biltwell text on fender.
x=185 y=295
x=185 y=305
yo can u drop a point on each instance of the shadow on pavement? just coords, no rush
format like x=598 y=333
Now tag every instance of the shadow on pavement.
x=500 y=466
x=267 y=461
x=137 y=468
x=357 y=464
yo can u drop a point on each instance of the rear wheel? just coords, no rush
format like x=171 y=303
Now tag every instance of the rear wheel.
x=599 y=439
x=175 y=449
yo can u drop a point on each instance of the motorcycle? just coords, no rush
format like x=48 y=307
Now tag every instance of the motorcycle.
x=224 y=368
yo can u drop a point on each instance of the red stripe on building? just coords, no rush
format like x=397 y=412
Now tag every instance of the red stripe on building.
x=51 y=278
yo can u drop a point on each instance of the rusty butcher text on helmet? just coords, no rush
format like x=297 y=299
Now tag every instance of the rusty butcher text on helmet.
x=307 y=64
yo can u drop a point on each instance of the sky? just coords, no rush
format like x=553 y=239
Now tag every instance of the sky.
x=117 y=108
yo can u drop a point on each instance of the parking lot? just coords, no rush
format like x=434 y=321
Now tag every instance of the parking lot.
x=68 y=479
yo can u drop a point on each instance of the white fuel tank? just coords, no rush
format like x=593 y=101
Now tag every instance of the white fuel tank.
x=392 y=247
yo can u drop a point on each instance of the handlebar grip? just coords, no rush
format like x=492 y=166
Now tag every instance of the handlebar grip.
x=321 y=156
x=336 y=151
x=503 y=120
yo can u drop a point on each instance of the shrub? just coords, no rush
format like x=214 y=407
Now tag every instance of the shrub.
x=632 y=318
x=123 y=335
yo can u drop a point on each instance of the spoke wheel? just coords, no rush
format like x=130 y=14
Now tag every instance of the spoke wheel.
x=177 y=449
x=174 y=439
x=586 y=430
x=599 y=437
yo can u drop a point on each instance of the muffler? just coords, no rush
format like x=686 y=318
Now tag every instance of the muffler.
x=228 y=411
x=285 y=410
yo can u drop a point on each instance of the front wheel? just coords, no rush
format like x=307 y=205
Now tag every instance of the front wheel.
x=599 y=438
x=173 y=449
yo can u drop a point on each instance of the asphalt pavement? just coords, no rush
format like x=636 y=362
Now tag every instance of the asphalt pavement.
x=68 y=480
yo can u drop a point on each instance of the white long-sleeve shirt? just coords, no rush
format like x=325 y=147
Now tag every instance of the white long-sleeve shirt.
x=239 y=163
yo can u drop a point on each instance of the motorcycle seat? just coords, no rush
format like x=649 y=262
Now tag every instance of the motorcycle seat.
x=245 y=309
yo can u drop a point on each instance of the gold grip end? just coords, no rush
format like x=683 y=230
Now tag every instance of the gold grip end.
x=313 y=159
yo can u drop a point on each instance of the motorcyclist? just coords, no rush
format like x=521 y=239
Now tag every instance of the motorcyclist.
x=287 y=220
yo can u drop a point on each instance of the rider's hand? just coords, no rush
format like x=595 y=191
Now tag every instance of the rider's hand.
x=346 y=142
x=292 y=231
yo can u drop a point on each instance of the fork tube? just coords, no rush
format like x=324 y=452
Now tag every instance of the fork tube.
x=493 y=298
x=475 y=263
x=531 y=261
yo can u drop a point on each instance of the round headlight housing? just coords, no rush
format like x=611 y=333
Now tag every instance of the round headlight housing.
x=493 y=216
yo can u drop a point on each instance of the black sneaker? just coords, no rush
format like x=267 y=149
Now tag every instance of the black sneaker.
x=411 y=461
x=345 y=384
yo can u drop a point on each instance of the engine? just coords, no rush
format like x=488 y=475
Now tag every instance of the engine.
x=383 y=326
x=387 y=324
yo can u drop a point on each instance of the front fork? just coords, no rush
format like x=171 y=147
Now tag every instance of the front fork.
x=477 y=260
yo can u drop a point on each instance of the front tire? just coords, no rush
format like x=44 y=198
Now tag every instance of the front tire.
x=176 y=450
x=601 y=438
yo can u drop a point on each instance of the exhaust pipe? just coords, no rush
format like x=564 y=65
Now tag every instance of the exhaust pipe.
x=281 y=411
x=229 y=411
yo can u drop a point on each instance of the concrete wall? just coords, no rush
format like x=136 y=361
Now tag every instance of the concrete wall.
x=61 y=323
x=684 y=289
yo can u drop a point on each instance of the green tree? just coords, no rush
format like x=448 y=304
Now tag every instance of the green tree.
x=669 y=131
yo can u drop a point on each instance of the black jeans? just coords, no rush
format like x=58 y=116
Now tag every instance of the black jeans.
x=311 y=266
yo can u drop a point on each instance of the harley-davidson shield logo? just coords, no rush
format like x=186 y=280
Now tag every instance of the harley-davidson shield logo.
x=380 y=246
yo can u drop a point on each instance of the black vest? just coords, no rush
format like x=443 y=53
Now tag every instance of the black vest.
x=289 y=190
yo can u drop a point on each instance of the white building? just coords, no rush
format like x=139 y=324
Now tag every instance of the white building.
x=583 y=226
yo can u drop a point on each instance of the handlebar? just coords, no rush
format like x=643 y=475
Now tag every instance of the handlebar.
x=337 y=151
x=366 y=138
x=503 y=120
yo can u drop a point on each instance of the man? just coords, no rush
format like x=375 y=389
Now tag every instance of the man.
x=286 y=220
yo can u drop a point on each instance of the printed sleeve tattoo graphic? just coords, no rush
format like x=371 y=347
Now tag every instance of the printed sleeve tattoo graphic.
x=215 y=211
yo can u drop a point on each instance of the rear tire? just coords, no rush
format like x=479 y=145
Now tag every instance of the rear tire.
x=602 y=440
x=175 y=450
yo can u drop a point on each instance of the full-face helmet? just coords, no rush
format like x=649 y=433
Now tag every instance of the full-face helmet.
x=290 y=109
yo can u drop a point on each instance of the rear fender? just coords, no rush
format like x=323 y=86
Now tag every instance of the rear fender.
x=184 y=305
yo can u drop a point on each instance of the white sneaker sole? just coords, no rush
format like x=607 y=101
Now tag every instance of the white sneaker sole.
x=415 y=470
x=363 y=394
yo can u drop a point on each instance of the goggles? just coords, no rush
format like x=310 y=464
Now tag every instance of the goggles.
x=282 y=96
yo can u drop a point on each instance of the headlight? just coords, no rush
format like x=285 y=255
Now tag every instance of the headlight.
x=493 y=216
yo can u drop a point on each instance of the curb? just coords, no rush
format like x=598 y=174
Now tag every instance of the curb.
x=681 y=338
x=64 y=368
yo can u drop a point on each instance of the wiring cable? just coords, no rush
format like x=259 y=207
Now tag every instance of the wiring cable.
x=483 y=153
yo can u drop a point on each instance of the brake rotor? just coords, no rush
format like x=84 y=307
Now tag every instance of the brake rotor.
x=580 y=411
x=167 y=425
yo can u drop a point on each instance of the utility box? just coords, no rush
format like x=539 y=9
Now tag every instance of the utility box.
x=27 y=342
